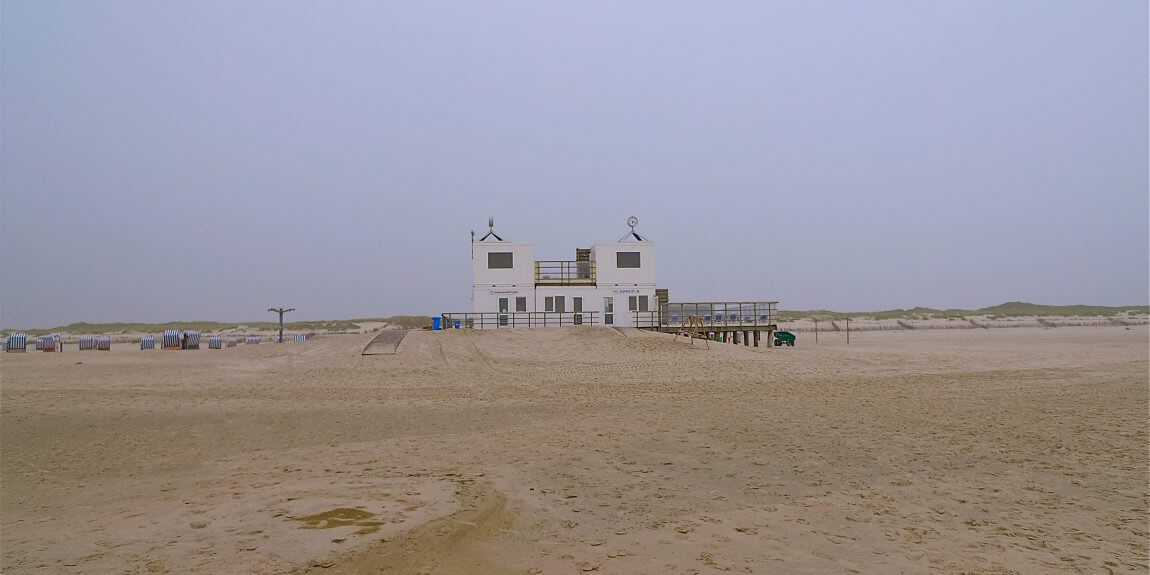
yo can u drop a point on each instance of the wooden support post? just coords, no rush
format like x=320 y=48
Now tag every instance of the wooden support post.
x=746 y=338
x=757 y=333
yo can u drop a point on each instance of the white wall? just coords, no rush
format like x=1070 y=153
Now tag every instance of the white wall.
x=485 y=299
x=523 y=256
x=488 y=285
x=607 y=274
x=593 y=300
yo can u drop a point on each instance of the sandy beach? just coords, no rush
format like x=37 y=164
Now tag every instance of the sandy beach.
x=575 y=450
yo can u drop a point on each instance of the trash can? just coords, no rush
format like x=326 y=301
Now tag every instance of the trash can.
x=456 y=324
x=435 y=323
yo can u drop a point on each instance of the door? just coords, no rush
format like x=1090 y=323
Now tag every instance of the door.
x=577 y=307
x=560 y=304
x=502 y=311
x=609 y=311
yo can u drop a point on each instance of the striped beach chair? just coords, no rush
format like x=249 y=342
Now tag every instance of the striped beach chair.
x=193 y=339
x=232 y=342
x=87 y=342
x=215 y=342
x=104 y=343
x=253 y=340
x=148 y=342
x=17 y=342
x=49 y=342
x=171 y=339
x=299 y=338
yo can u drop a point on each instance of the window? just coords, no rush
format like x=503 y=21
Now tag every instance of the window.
x=548 y=303
x=632 y=303
x=642 y=303
x=625 y=259
x=520 y=304
x=559 y=307
x=500 y=260
x=502 y=305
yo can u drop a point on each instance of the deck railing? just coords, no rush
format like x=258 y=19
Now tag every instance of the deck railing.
x=714 y=314
x=492 y=320
x=564 y=273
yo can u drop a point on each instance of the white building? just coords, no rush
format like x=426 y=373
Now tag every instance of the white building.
x=607 y=284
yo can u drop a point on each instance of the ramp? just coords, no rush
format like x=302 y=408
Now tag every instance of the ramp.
x=386 y=342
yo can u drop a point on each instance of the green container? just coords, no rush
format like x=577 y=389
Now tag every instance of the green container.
x=784 y=337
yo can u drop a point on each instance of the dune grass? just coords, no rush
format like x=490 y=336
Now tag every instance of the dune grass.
x=342 y=325
x=1009 y=309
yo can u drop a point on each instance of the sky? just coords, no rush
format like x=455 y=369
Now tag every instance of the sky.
x=207 y=160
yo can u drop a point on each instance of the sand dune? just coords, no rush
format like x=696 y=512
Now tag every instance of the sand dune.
x=584 y=450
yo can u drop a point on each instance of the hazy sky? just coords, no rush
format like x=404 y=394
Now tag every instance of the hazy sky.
x=206 y=160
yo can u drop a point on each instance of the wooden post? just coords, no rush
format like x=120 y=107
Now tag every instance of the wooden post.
x=816 y=330
x=746 y=338
x=757 y=335
x=848 y=331
x=281 y=311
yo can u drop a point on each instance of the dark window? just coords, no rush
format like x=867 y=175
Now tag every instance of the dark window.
x=520 y=304
x=642 y=303
x=627 y=259
x=632 y=303
x=549 y=303
x=500 y=260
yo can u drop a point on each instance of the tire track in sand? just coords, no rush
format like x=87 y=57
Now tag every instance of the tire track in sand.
x=452 y=545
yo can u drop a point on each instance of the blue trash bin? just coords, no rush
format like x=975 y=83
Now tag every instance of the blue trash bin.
x=456 y=324
x=435 y=323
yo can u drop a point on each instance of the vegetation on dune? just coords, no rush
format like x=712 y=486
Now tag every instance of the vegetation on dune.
x=409 y=321
x=342 y=325
x=202 y=326
x=1008 y=309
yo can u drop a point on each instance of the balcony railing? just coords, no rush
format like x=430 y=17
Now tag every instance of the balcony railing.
x=714 y=314
x=491 y=320
x=564 y=273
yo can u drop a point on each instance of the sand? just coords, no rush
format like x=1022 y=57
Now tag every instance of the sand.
x=583 y=450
